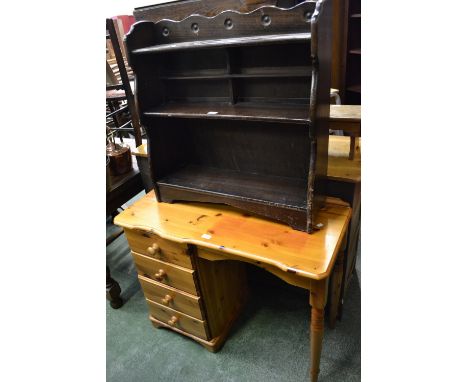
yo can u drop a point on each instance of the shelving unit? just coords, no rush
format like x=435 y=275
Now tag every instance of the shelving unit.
x=229 y=119
x=352 y=52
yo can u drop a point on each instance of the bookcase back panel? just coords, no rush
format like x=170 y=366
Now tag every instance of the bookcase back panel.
x=197 y=90
x=169 y=148
x=194 y=62
x=281 y=89
x=257 y=59
x=257 y=148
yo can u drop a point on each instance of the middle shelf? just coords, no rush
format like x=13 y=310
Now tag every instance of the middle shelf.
x=250 y=111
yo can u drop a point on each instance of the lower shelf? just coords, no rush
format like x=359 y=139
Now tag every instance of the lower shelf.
x=279 y=198
x=236 y=184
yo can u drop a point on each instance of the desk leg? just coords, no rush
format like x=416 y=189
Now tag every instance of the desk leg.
x=318 y=300
x=335 y=289
x=113 y=291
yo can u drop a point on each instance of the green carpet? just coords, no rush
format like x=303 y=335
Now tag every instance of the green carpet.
x=269 y=342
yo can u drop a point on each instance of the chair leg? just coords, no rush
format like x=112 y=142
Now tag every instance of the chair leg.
x=113 y=291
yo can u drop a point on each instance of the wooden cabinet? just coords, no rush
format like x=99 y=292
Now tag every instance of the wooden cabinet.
x=228 y=119
x=351 y=88
x=185 y=293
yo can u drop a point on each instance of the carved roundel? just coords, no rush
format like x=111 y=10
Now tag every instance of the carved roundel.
x=266 y=20
x=195 y=28
x=228 y=24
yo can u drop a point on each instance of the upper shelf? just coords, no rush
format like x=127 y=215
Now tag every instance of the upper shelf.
x=227 y=43
x=290 y=113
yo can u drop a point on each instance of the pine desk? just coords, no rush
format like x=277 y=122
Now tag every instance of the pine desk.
x=190 y=258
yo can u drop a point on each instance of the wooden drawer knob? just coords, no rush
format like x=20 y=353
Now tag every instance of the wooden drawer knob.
x=160 y=275
x=173 y=320
x=153 y=249
x=167 y=299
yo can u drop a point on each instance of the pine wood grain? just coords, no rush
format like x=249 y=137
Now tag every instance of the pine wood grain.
x=173 y=275
x=180 y=301
x=183 y=322
x=230 y=231
x=224 y=289
x=158 y=248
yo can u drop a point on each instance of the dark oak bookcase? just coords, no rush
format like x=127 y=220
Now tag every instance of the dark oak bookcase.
x=236 y=108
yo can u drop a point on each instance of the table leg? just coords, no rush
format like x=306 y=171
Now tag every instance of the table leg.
x=318 y=300
x=353 y=146
x=335 y=289
x=113 y=291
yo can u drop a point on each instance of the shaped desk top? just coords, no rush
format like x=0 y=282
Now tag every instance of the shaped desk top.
x=224 y=229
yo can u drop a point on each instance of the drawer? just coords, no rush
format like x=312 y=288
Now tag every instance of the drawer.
x=172 y=298
x=178 y=320
x=165 y=273
x=155 y=247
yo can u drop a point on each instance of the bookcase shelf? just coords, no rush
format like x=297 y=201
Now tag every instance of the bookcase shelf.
x=230 y=104
x=249 y=111
x=235 y=184
x=226 y=43
x=292 y=73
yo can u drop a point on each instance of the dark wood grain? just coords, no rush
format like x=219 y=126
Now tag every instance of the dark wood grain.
x=125 y=82
x=236 y=107
x=226 y=43
x=113 y=291
x=288 y=113
x=123 y=188
x=283 y=191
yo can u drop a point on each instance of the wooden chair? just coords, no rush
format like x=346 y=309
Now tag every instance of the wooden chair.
x=122 y=187
x=117 y=92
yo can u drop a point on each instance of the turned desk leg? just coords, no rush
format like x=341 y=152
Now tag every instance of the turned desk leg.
x=113 y=291
x=335 y=290
x=318 y=300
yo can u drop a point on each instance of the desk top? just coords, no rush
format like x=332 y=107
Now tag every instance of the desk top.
x=345 y=113
x=225 y=229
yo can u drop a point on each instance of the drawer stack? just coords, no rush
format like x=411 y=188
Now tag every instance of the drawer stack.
x=176 y=284
x=167 y=277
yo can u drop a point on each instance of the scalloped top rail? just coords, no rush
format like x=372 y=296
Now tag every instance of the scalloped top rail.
x=228 y=28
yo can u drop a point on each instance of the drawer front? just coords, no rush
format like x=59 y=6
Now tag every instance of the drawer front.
x=172 y=298
x=178 y=320
x=152 y=245
x=165 y=273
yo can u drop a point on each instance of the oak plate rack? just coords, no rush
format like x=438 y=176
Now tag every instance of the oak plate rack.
x=236 y=108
